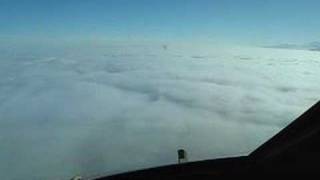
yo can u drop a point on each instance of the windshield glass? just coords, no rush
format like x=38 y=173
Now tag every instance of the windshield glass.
x=99 y=87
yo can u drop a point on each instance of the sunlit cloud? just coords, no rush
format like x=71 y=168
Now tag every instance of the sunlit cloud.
x=128 y=107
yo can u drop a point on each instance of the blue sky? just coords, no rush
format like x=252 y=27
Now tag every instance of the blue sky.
x=244 y=21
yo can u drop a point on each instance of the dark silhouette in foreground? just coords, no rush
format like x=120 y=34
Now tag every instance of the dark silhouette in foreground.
x=294 y=150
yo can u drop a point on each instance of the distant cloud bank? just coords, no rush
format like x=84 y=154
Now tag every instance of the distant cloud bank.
x=312 y=46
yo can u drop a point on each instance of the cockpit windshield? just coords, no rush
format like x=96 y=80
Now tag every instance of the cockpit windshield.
x=101 y=87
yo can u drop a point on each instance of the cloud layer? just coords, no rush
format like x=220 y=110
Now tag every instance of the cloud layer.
x=117 y=108
x=312 y=46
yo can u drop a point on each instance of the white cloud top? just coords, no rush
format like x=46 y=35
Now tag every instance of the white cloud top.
x=121 y=108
